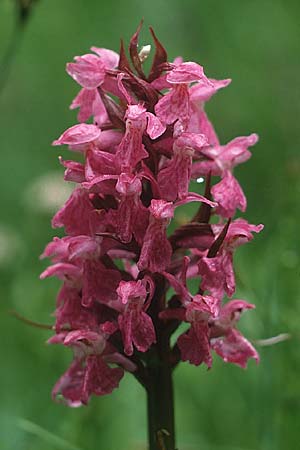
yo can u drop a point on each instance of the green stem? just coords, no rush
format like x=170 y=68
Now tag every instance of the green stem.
x=161 y=429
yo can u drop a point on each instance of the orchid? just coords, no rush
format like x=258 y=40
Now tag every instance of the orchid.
x=150 y=137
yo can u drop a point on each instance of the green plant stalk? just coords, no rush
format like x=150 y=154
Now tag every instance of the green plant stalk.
x=161 y=428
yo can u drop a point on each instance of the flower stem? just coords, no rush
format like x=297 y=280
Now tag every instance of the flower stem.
x=161 y=429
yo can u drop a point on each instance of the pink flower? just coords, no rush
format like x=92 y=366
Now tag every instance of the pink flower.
x=175 y=177
x=75 y=214
x=89 y=70
x=79 y=136
x=136 y=326
x=74 y=170
x=131 y=149
x=231 y=345
x=239 y=232
x=156 y=250
x=89 y=373
x=90 y=104
x=217 y=275
x=202 y=92
x=69 y=273
x=82 y=380
x=217 y=272
x=175 y=105
x=223 y=158
x=132 y=216
x=99 y=163
x=99 y=283
x=194 y=345
x=70 y=314
x=229 y=196
x=149 y=137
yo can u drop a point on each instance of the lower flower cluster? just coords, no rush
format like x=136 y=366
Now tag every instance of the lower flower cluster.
x=150 y=136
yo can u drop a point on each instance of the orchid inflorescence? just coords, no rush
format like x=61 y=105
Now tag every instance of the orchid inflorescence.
x=150 y=137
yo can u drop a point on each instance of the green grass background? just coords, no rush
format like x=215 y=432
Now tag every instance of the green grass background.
x=256 y=43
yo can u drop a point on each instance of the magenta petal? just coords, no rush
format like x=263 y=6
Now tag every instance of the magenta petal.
x=70 y=385
x=202 y=92
x=194 y=346
x=174 y=105
x=236 y=151
x=199 y=123
x=132 y=215
x=191 y=141
x=187 y=72
x=79 y=382
x=136 y=326
x=84 y=247
x=194 y=197
x=229 y=195
x=156 y=250
x=84 y=100
x=99 y=283
x=57 y=249
x=161 y=210
x=173 y=180
x=235 y=348
x=70 y=313
x=109 y=140
x=232 y=310
x=74 y=215
x=131 y=149
x=217 y=275
x=129 y=185
x=64 y=271
x=137 y=330
x=100 y=379
x=131 y=289
x=133 y=218
x=121 y=360
x=72 y=248
x=108 y=57
x=154 y=128
x=143 y=332
x=175 y=177
x=79 y=134
x=240 y=232
x=202 y=308
x=88 y=71
x=99 y=163
x=82 y=335
x=74 y=170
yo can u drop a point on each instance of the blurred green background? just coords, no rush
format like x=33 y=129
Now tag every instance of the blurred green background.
x=256 y=43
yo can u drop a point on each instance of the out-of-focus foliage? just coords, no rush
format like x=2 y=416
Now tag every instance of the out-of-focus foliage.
x=256 y=44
